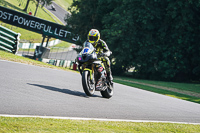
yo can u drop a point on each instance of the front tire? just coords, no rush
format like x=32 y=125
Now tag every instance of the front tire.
x=88 y=87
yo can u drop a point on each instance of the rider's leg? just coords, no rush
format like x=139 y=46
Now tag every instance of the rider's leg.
x=101 y=70
x=108 y=68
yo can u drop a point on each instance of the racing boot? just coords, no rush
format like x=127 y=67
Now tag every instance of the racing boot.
x=108 y=70
x=110 y=77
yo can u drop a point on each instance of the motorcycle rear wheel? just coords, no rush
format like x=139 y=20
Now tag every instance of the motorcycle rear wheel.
x=108 y=93
x=88 y=87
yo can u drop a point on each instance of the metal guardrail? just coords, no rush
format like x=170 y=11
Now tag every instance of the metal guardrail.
x=9 y=40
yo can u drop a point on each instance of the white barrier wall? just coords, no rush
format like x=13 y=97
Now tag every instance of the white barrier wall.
x=66 y=62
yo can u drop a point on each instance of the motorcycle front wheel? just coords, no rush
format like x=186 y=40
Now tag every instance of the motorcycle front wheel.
x=88 y=87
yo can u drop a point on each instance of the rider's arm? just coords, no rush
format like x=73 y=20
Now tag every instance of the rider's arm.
x=106 y=50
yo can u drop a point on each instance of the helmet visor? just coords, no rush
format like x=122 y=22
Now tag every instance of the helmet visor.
x=93 y=38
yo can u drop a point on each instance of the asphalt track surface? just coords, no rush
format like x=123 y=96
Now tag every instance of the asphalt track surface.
x=38 y=91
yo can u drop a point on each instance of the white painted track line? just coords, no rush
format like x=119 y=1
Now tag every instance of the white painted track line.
x=97 y=119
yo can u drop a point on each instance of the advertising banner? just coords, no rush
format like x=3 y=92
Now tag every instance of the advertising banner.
x=35 y=24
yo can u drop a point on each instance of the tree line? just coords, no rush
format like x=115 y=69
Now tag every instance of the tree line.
x=159 y=39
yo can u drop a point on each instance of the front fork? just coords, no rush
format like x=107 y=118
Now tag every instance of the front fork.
x=87 y=69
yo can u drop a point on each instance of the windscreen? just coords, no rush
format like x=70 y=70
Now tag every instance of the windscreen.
x=87 y=48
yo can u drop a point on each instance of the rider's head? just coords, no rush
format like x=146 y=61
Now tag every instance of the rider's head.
x=93 y=36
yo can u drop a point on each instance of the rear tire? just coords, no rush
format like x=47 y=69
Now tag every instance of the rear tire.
x=88 y=88
x=108 y=93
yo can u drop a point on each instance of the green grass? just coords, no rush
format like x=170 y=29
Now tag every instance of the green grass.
x=185 y=91
x=193 y=87
x=35 y=125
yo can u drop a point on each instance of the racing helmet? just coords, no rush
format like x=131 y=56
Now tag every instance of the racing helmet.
x=93 y=36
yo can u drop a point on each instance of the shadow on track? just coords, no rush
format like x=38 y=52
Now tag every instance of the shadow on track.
x=66 y=91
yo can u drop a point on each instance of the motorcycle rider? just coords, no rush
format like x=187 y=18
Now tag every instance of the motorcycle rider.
x=103 y=53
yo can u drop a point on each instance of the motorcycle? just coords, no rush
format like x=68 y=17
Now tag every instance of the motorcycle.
x=88 y=67
x=53 y=7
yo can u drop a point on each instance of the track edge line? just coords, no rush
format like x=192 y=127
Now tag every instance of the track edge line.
x=97 y=119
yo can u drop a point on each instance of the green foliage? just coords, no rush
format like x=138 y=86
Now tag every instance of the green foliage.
x=158 y=38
